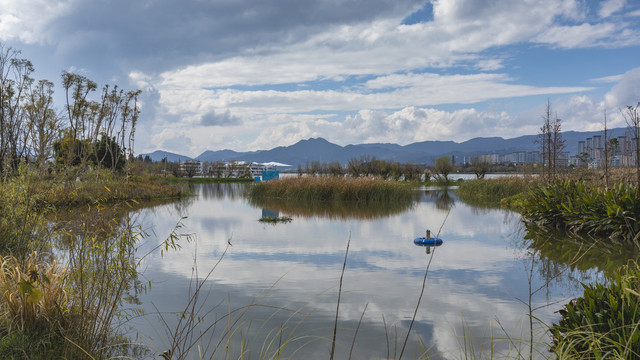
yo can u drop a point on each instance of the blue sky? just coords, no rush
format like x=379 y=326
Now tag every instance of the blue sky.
x=255 y=74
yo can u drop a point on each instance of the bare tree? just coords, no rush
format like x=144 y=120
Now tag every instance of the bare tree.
x=630 y=114
x=544 y=140
x=607 y=151
x=551 y=142
x=558 y=143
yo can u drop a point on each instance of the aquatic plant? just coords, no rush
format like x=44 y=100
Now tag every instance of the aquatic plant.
x=577 y=207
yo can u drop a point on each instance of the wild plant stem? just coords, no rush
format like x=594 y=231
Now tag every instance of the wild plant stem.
x=424 y=281
x=335 y=324
x=357 y=328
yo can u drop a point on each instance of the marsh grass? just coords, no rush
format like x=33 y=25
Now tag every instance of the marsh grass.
x=490 y=192
x=310 y=188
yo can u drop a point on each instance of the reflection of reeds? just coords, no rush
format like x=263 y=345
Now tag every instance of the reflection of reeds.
x=334 y=209
x=596 y=253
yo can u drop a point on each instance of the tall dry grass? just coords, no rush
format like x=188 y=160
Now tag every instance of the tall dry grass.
x=34 y=292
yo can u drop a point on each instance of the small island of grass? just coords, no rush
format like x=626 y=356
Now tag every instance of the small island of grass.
x=311 y=188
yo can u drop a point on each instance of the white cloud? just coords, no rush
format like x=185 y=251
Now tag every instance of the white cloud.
x=27 y=20
x=384 y=92
x=609 y=7
x=404 y=126
x=626 y=92
x=607 y=79
x=586 y=35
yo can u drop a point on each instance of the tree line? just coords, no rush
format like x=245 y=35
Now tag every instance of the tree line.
x=88 y=130
x=366 y=166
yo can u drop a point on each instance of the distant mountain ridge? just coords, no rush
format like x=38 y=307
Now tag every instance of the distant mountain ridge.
x=425 y=152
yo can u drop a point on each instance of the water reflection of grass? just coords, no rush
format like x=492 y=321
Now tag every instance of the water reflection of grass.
x=580 y=252
x=334 y=209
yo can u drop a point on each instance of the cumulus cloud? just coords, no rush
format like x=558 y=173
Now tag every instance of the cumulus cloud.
x=220 y=119
x=626 y=92
x=257 y=69
x=408 y=125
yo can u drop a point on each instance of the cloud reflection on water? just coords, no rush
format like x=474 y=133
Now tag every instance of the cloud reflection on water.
x=475 y=277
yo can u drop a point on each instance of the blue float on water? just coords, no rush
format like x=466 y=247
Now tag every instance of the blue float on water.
x=427 y=241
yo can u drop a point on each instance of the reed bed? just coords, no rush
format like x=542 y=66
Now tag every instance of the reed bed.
x=57 y=192
x=492 y=191
x=309 y=188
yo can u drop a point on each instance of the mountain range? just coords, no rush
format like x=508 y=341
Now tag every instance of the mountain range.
x=425 y=152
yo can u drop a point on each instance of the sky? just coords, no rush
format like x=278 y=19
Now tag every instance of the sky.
x=255 y=74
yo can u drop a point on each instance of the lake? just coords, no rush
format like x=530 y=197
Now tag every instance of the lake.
x=280 y=282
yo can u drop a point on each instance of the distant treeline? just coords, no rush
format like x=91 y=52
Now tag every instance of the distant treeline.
x=367 y=166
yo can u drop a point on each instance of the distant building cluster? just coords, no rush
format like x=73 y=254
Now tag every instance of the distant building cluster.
x=591 y=152
x=516 y=158
x=231 y=169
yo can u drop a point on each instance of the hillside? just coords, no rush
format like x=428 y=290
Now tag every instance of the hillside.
x=425 y=152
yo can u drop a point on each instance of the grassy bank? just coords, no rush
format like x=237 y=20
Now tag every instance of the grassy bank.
x=67 y=310
x=104 y=188
x=309 y=188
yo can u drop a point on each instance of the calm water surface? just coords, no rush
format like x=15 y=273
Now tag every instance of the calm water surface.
x=477 y=286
